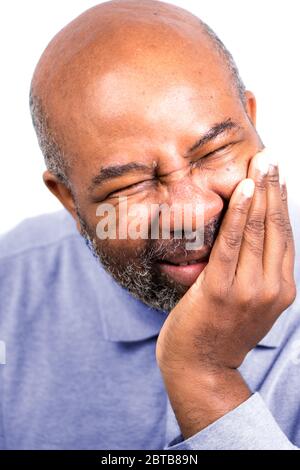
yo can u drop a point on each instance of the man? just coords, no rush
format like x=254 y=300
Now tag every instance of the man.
x=142 y=343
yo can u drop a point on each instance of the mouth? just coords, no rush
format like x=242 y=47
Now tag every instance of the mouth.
x=186 y=270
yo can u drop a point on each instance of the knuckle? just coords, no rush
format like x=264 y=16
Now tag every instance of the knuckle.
x=255 y=225
x=273 y=177
x=247 y=297
x=232 y=240
x=254 y=234
x=288 y=296
x=219 y=293
x=239 y=210
x=272 y=294
x=291 y=294
x=260 y=185
x=277 y=218
x=283 y=194
x=289 y=232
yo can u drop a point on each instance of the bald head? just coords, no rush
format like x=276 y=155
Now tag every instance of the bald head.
x=96 y=69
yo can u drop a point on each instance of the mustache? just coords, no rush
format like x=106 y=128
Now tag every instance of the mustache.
x=160 y=249
x=155 y=249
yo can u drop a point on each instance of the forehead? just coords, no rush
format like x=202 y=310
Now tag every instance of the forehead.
x=152 y=91
x=123 y=110
x=123 y=119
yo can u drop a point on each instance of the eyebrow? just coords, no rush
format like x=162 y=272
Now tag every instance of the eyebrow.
x=212 y=133
x=115 y=171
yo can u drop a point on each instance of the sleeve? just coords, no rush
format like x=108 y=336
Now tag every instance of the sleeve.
x=2 y=442
x=250 y=426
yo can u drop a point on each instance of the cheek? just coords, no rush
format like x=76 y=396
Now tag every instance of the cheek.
x=125 y=232
x=106 y=231
x=223 y=182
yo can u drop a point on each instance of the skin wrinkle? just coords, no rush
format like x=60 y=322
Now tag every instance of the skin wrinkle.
x=98 y=101
x=117 y=170
x=114 y=171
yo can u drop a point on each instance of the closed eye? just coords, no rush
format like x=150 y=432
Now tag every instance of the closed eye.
x=220 y=149
x=131 y=188
x=213 y=153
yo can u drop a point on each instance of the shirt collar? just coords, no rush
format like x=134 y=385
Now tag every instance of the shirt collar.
x=125 y=318
x=128 y=319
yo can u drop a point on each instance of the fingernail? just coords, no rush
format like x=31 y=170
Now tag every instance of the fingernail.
x=247 y=187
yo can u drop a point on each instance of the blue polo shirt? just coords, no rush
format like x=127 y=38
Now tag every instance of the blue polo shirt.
x=80 y=369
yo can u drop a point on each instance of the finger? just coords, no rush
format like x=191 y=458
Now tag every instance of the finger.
x=250 y=264
x=224 y=255
x=289 y=254
x=275 y=234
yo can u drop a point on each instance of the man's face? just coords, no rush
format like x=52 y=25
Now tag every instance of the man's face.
x=132 y=130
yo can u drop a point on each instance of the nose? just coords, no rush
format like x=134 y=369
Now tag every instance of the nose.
x=189 y=202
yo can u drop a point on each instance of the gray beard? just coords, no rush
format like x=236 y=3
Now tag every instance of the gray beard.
x=140 y=277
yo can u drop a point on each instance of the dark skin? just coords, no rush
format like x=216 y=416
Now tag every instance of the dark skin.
x=146 y=101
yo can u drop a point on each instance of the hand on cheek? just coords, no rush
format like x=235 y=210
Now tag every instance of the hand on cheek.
x=247 y=284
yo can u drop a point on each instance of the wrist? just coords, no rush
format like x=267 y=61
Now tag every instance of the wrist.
x=201 y=397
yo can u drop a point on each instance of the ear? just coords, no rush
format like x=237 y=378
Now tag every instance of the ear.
x=63 y=194
x=251 y=106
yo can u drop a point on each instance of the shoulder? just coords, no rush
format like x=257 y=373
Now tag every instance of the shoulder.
x=42 y=260
x=37 y=232
x=50 y=279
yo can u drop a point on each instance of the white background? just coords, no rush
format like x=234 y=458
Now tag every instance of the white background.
x=263 y=36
